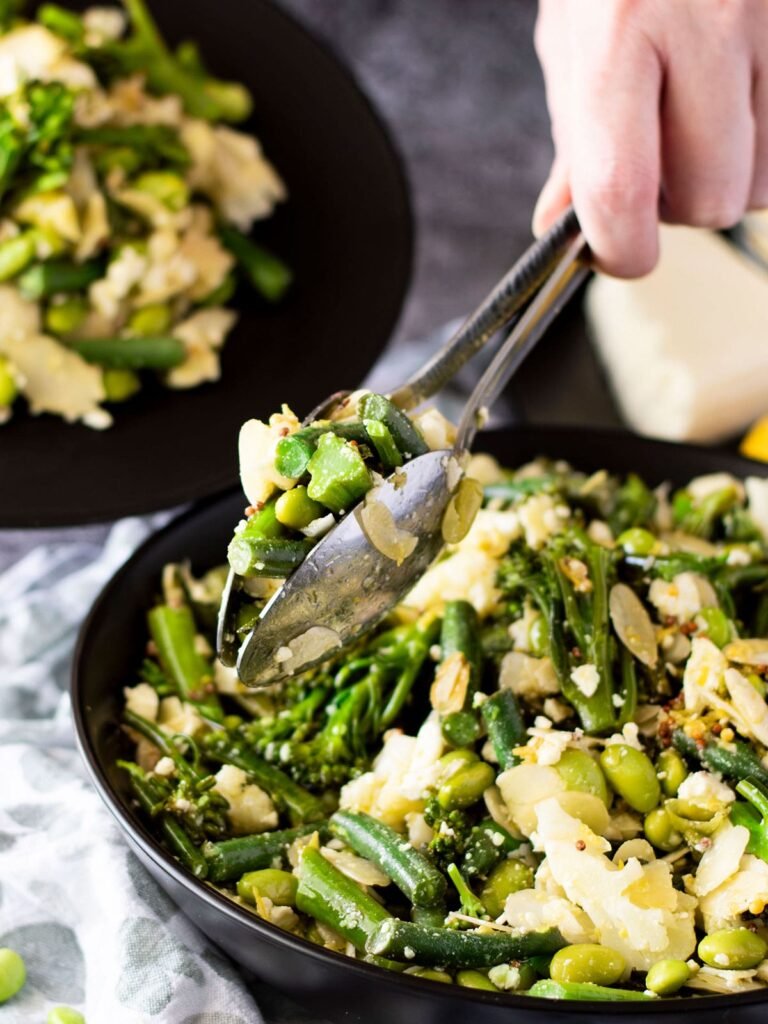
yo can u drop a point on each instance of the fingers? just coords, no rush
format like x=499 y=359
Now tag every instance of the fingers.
x=708 y=129
x=614 y=149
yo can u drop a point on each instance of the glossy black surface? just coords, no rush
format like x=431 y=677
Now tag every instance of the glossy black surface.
x=108 y=650
x=346 y=232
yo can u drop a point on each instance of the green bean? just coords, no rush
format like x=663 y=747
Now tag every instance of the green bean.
x=666 y=977
x=660 y=831
x=538 y=637
x=432 y=916
x=64 y=1015
x=120 y=385
x=476 y=980
x=293 y=453
x=460 y=728
x=632 y=775
x=414 y=875
x=733 y=949
x=268 y=557
x=505 y=725
x=548 y=989
x=336 y=901
x=13 y=974
x=671 y=771
x=583 y=774
x=180 y=843
x=9 y=389
x=63 y=23
x=466 y=786
x=268 y=274
x=55 y=277
x=405 y=435
x=384 y=443
x=587 y=962
x=15 y=254
x=736 y=762
x=506 y=878
x=338 y=475
x=277 y=885
x=174 y=633
x=300 y=803
x=131 y=353
x=449 y=947
x=231 y=858
x=296 y=509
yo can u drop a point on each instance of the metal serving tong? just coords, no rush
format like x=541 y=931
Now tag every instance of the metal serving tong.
x=346 y=584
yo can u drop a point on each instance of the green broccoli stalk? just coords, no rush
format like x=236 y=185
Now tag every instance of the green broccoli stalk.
x=469 y=903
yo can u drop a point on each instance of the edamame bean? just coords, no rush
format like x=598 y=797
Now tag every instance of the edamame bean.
x=64 y=317
x=636 y=541
x=150 y=320
x=64 y=1015
x=716 y=625
x=278 y=886
x=582 y=773
x=430 y=974
x=632 y=775
x=9 y=389
x=475 y=979
x=508 y=877
x=451 y=762
x=120 y=385
x=733 y=949
x=13 y=974
x=587 y=961
x=671 y=771
x=169 y=188
x=758 y=684
x=15 y=254
x=667 y=976
x=466 y=786
x=660 y=831
x=296 y=509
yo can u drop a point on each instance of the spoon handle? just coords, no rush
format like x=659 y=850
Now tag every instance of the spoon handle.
x=498 y=308
x=566 y=277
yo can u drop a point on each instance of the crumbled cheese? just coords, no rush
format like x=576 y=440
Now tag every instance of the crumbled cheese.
x=635 y=909
x=586 y=678
x=142 y=700
x=705 y=788
x=704 y=674
x=50 y=211
x=31 y=52
x=531 y=910
x=546 y=745
x=600 y=532
x=203 y=334
x=176 y=717
x=721 y=859
x=520 y=629
x=230 y=168
x=250 y=808
x=541 y=518
x=742 y=892
x=469 y=573
x=629 y=736
x=526 y=676
x=683 y=597
x=419 y=832
x=103 y=24
x=437 y=431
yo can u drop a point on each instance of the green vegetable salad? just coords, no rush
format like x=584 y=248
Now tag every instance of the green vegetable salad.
x=125 y=203
x=546 y=772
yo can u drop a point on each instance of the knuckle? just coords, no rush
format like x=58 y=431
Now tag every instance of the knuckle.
x=714 y=211
x=623 y=189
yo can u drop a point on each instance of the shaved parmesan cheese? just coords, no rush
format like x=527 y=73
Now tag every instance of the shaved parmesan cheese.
x=257 y=446
x=721 y=860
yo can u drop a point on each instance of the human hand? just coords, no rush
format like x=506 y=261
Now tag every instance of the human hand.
x=659 y=111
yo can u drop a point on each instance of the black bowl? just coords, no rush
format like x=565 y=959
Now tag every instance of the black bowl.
x=346 y=232
x=109 y=647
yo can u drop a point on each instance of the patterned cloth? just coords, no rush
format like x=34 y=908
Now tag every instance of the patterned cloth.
x=95 y=930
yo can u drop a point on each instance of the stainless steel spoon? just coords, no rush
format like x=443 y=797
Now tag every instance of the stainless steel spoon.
x=346 y=584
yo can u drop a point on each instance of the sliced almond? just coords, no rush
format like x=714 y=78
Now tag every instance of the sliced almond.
x=449 y=689
x=633 y=624
x=748 y=652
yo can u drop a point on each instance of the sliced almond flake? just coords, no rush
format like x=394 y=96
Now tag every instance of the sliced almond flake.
x=633 y=624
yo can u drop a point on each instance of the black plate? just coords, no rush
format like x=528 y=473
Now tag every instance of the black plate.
x=346 y=232
x=110 y=644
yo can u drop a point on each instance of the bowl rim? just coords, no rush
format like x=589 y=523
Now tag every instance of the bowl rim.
x=132 y=824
